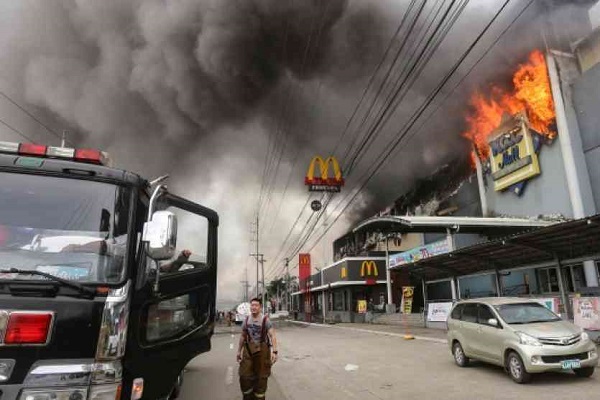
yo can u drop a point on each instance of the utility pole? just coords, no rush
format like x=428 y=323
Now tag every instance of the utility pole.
x=260 y=260
x=256 y=253
x=288 y=293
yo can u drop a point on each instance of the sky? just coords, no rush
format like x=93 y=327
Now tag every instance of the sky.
x=233 y=98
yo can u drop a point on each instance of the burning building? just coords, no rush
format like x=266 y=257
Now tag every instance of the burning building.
x=534 y=155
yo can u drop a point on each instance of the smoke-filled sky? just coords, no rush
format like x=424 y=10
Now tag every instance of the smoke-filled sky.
x=203 y=89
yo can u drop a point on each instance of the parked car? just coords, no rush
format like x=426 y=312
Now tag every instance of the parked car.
x=520 y=335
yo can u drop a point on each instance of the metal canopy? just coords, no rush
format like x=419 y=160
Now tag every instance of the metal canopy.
x=421 y=224
x=569 y=242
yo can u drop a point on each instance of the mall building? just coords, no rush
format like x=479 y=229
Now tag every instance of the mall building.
x=523 y=222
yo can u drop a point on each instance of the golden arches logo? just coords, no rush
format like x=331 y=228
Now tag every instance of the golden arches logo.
x=304 y=259
x=324 y=178
x=370 y=268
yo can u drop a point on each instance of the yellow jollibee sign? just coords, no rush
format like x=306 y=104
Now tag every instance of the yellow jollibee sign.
x=408 y=293
x=512 y=156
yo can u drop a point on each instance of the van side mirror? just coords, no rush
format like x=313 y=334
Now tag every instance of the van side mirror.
x=160 y=233
x=493 y=322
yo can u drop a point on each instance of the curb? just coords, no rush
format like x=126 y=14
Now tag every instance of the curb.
x=392 y=334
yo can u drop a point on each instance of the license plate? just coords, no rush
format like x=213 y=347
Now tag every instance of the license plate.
x=570 y=364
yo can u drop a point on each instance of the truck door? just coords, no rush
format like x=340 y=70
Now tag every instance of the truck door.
x=171 y=326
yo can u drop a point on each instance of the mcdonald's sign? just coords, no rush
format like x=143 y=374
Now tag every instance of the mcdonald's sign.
x=323 y=182
x=303 y=270
x=368 y=270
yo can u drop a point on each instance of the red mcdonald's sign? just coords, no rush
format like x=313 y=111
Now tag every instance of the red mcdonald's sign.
x=303 y=269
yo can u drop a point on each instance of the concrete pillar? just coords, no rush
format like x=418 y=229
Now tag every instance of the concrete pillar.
x=560 y=70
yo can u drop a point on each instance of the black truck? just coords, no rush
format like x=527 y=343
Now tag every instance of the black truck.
x=97 y=300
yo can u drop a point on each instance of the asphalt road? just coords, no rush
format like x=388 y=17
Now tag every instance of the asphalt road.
x=335 y=363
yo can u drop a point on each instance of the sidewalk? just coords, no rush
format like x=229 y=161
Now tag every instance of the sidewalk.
x=433 y=335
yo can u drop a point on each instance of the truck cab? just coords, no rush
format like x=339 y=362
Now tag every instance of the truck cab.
x=98 y=300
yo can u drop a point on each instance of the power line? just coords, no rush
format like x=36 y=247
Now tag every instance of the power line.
x=438 y=89
x=29 y=114
x=15 y=130
x=309 y=233
x=370 y=82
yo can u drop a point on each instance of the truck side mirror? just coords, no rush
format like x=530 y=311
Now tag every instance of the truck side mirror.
x=161 y=235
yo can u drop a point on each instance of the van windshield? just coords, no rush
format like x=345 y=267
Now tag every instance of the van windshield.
x=526 y=313
x=71 y=228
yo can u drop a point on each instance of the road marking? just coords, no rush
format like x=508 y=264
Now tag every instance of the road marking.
x=232 y=336
x=230 y=346
x=429 y=339
x=229 y=376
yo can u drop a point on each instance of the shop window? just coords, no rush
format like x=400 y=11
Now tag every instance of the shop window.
x=519 y=283
x=338 y=301
x=477 y=286
x=439 y=291
x=548 y=279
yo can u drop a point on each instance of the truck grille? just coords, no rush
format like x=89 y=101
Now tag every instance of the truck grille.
x=561 y=341
x=557 y=359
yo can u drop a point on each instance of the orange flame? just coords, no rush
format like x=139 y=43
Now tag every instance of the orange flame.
x=531 y=93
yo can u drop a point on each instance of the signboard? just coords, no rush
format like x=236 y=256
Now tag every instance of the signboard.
x=513 y=158
x=362 y=306
x=438 y=312
x=322 y=182
x=303 y=270
x=552 y=303
x=586 y=311
x=355 y=270
x=408 y=293
x=419 y=253
x=369 y=271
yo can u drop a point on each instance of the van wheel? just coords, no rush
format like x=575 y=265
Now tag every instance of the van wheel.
x=516 y=368
x=584 y=372
x=459 y=355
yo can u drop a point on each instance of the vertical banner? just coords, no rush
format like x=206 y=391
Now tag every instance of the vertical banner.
x=407 y=299
x=303 y=280
x=303 y=270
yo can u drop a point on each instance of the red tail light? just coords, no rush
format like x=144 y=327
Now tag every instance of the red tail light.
x=31 y=149
x=28 y=328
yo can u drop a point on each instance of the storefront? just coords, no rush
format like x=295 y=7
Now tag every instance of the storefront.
x=544 y=264
x=344 y=291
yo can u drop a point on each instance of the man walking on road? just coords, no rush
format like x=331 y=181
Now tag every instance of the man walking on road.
x=257 y=352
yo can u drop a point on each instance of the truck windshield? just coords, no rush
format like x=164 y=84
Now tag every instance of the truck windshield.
x=74 y=229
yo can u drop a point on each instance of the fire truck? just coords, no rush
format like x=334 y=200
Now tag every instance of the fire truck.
x=95 y=303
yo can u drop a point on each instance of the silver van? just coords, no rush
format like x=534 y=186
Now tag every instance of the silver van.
x=520 y=335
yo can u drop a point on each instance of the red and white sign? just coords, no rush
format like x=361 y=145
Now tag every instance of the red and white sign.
x=586 y=311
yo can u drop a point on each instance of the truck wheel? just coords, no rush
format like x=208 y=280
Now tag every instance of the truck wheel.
x=459 y=355
x=516 y=368
x=584 y=372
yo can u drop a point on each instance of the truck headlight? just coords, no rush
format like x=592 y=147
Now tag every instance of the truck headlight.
x=527 y=339
x=54 y=394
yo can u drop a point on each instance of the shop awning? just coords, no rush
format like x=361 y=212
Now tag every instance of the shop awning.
x=569 y=242
x=420 y=224
x=337 y=285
